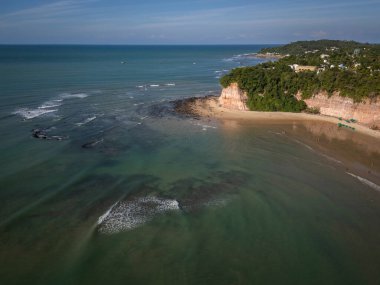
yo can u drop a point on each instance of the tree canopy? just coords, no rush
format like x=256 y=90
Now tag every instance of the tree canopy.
x=351 y=68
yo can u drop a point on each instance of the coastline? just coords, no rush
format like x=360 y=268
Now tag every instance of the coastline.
x=267 y=55
x=209 y=107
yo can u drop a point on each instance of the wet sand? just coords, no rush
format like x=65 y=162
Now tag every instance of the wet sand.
x=355 y=151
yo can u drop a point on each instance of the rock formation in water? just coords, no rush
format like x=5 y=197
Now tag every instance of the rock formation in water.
x=366 y=112
x=43 y=134
x=234 y=98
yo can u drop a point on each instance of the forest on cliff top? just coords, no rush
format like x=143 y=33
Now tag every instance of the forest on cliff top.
x=350 y=68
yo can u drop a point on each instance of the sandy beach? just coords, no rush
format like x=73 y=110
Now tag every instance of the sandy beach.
x=209 y=107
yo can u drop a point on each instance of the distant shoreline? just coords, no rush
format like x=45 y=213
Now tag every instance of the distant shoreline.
x=267 y=55
x=209 y=107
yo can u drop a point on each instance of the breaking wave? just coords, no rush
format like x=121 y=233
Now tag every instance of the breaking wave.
x=365 y=181
x=127 y=215
x=73 y=95
x=86 y=121
x=27 y=113
x=48 y=106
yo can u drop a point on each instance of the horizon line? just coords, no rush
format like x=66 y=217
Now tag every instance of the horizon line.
x=104 y=44
x=167 y=44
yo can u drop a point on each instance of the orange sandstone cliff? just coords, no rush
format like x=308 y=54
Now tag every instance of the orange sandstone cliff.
x=366 y=112
x=234 y=98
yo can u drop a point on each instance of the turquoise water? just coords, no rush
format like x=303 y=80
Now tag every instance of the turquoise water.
x=126 y=191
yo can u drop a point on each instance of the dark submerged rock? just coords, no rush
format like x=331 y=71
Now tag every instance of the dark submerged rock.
x=42 y=134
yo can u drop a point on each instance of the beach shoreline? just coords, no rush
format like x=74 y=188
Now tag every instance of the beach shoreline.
x=208 y=107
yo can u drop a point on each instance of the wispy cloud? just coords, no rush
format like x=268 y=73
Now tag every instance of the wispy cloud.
x=51 y=11
x=191 y=21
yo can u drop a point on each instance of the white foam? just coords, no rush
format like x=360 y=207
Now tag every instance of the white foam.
x=154 y=85
x=208 y=127
x=276 y=133
x=331 y=158
x=49 y=104
x=97 y=142
x=365 y=181
x=204 y=127
x=32 y=113
x=73 y=95
x=128 y=215
x=305 y=145
x=86 y=121
x=105 y=215
x=170 y=84
x=45 y=108
x=319 y=153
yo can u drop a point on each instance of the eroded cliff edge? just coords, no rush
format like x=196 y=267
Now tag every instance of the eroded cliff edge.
x=367 y=112
x=234 y=98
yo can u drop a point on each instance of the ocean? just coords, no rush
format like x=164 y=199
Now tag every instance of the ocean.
x=102 y=182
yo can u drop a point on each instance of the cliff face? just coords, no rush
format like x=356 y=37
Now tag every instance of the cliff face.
x=367 y=112
x=234 y=98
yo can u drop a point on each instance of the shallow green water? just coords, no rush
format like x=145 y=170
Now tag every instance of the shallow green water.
x=141 y=195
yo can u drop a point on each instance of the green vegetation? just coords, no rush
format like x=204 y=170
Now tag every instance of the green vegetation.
x=300 y=47
x=351 y=68
x=270 y=87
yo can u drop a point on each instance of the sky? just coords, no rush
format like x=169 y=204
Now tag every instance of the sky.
x=187 y=22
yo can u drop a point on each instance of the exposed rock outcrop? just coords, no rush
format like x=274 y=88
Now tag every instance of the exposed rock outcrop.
x=366 y=112
x=43 y=134
x=234 y=98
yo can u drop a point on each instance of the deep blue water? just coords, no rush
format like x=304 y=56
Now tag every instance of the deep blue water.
x=126 y=191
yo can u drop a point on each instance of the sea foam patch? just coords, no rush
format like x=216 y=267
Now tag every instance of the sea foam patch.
x=74 y=95
x=50 y=104
x=28 y=114
x=127 y=215
x=86 y=121
x=47 y=107
x=145 y=87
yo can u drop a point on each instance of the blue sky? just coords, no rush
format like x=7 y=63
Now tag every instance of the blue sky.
x=187 y=22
